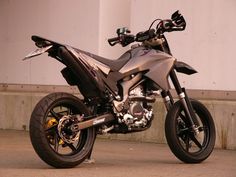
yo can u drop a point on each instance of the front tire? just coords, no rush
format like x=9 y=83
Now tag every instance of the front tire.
x=46 y=139
x=186 y=145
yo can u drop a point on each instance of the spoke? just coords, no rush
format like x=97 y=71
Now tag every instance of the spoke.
x=57 y=116
x=69 y=112
x=184 y=119
x=182 y=116
x=53 y=128
x=56 y=143
x=63 y=113
x=71 y=146
x=182 y=131
x=194 y=139
x=187 y=143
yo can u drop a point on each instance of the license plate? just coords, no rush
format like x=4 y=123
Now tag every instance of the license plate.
x=37 y=52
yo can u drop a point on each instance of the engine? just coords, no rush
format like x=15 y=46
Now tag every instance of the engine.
x=137 y=113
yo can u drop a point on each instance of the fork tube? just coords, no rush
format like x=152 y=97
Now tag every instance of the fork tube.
x=185 y=100
x=168 y=99
x=175 y=82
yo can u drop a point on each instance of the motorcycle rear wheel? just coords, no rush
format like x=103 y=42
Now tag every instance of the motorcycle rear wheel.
x=46 y=139
x=186 y=145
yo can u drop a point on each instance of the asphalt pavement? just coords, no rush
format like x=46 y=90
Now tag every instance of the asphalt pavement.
x=112 y=159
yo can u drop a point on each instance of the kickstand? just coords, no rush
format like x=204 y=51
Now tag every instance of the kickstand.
x=89 y=159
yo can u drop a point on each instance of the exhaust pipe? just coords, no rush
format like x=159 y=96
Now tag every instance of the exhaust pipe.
x=93 y=122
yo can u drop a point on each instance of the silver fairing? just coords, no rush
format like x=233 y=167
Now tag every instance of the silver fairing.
x=157 y=63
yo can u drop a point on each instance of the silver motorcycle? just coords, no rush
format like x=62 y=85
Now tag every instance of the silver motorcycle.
x=118 y=97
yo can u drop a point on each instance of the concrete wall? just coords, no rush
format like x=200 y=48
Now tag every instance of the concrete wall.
x=18 y=101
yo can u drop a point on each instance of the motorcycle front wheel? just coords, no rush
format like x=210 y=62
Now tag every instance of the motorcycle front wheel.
x=58 y=146
x=186 y=144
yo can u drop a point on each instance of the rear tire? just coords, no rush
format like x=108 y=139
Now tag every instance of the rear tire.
x=45 y=137
x=183 y=142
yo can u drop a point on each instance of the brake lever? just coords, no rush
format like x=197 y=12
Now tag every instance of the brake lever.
x=113 y=43
x=178 y=20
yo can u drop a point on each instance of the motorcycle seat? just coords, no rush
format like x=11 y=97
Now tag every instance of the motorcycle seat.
x=115 y=65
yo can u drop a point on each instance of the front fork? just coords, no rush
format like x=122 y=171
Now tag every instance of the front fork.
x=183 y=97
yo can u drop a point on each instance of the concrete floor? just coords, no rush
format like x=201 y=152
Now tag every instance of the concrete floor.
x=112 y=159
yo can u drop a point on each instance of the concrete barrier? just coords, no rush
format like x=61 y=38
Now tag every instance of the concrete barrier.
x=18 y=101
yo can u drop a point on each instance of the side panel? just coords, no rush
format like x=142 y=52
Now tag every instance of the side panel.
x=82 y=75
x=157 y=63
x=160 y=71
x=88 y=60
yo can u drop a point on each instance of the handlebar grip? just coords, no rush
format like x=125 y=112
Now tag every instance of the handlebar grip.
x=113 y=41
x=127 y=39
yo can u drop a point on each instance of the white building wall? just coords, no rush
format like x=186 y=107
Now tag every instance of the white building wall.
x=74 y=22
x=208 y=43
x=113 y=14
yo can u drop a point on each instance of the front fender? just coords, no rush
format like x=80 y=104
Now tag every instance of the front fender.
x=182 y=67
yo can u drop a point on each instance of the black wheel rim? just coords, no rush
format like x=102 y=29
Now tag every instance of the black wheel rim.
x=191 y=142
x=54 y=114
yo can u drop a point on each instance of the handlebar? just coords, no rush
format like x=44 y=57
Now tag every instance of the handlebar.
x=126 y=39
x=113 y=41
x=176 y=23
